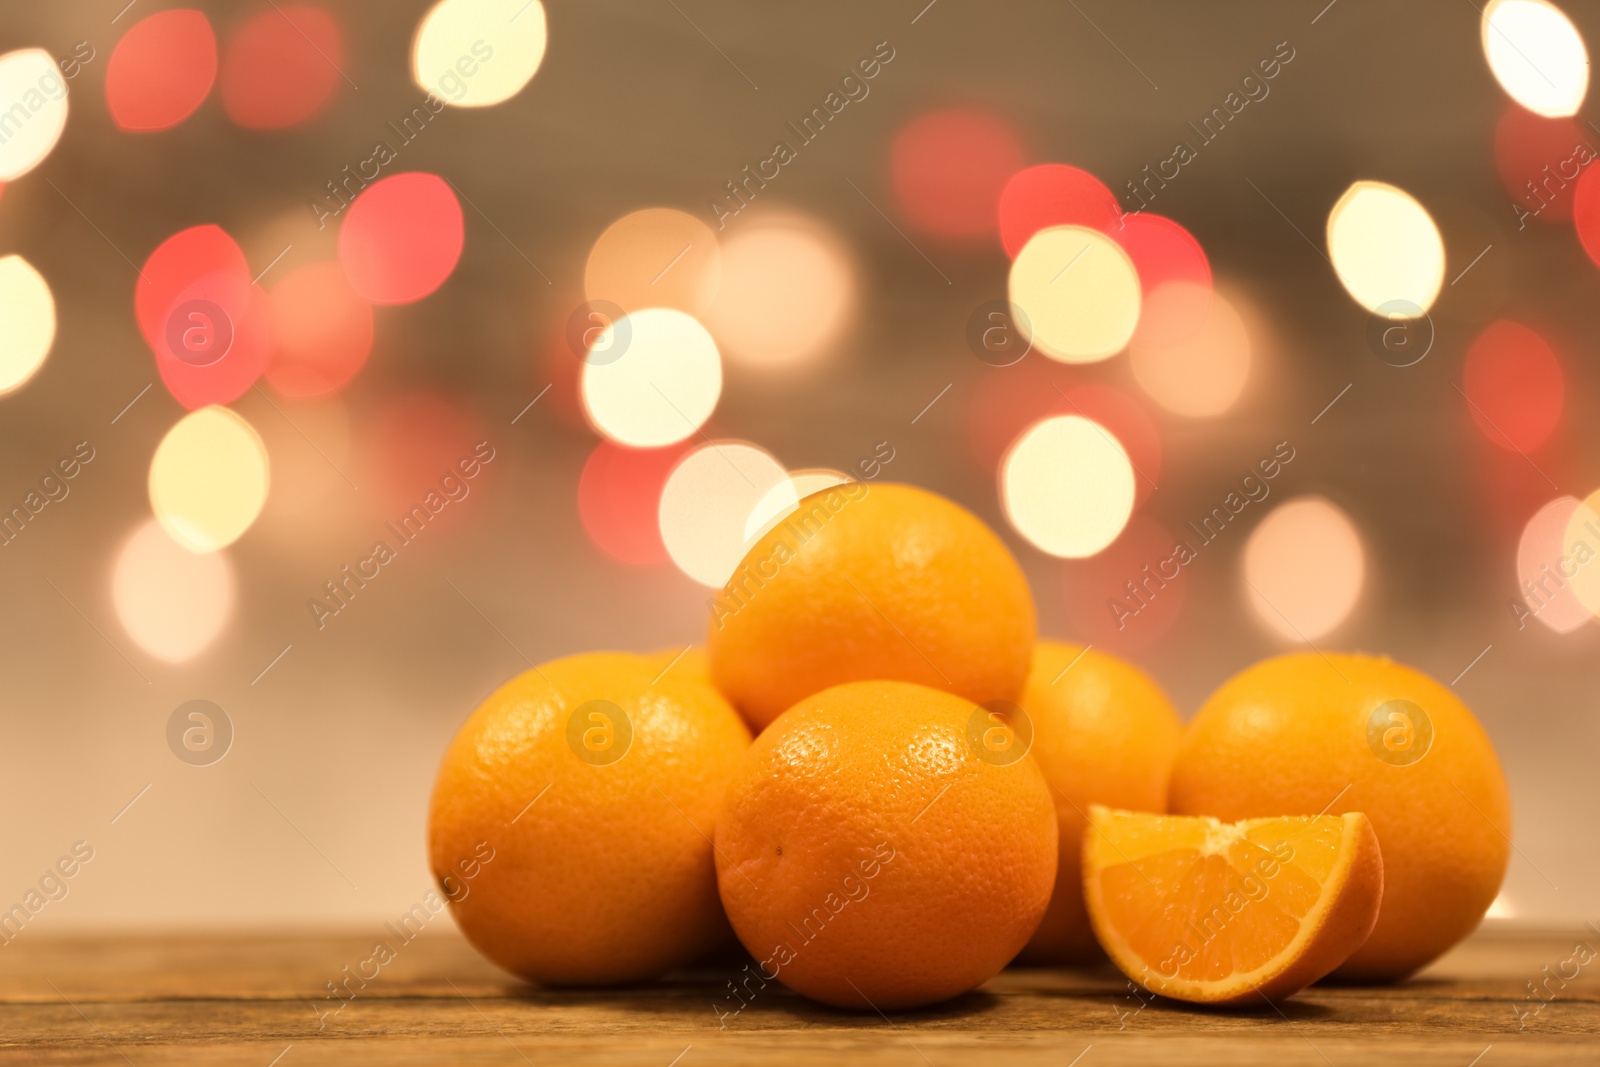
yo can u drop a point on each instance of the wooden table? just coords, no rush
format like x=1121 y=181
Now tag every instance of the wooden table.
x=242 y=999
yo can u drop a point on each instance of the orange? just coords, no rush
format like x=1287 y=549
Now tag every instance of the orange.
x=1213 y=913
x=1308 y=733
x=871 y=581
x=593 y=788
x=874 y=854
x=1103 y=733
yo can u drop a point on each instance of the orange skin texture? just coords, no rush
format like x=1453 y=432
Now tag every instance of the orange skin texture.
x=607 y=877
x=868 y=858
x=1289 y=735
x=893 y=583
x=1103 y=733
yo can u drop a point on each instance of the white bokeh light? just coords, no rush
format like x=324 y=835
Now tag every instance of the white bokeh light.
x=707 y=504
x=658 y=381
x=171 y=601
x=1067 y=485
x=1386 y=250
x=33 y=110
x=1537 y=56
x=477 y=53
x=27 y=322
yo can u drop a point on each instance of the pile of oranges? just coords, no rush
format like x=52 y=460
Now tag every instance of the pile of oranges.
x=932 y=792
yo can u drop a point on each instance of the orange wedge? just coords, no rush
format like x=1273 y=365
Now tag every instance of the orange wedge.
x=1217 y=913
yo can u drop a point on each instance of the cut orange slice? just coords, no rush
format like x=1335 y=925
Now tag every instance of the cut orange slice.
x=1205 y=911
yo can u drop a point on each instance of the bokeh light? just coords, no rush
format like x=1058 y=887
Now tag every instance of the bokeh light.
x=401 y=238
x=1547 y=564
x=477 y=53
x=655 y=257
x=161 y=70
x=1067 y=486
x=1053 y=194
x=1536 y=55
x=1586 y=212
x=619 y=500
x=707 y=503
x=27 y=322
x=948 y=168
x=1540 y=161
x=209 y=479
x=207 y=325
x=664 y=385
x=1385 y=248
x=1191 y=354
x=1304 y=568
x=1162 y=251
x=1079 y=294
x=321 y=331
x=1514 y=385
x=785 y=293
x=1128 y=422
x=1580 y=542
x=1102 y=608
x=783 y=500
x=30 y=81
x=282 y=67
x=172 y=602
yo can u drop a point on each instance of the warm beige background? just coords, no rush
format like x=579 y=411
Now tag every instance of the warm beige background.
x=633 y=107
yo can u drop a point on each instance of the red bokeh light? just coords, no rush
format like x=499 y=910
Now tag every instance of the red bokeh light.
x=619 y=497
x=207 y=325
x=1515 y=386
x=161 y=70
x=1092 y=586
x=321 y=331
x=1053 y=194
x=401 y=238
x=282 y=67
x=416 y=440
x=1162 y=251
x=948 y=168
x=1525 y=145
x=1586 y=212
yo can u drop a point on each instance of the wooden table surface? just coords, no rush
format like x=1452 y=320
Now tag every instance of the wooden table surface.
x=263 y=1001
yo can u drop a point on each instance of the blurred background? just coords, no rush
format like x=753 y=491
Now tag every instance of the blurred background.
x=282 y=282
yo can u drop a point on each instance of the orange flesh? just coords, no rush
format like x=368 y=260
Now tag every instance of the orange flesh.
x=1223 y=903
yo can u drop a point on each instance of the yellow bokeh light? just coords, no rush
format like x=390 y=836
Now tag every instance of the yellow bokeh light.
x=33 y=110
x=209 y=479
x=1581 y=546
x=1537 y=55
x=1067 y=486
x=707 y=503
x=1078 y=293
x=784 y=499
x=477 y=53
x=1304 y=568
x=172 y=602
x=1201 y=374
x=1386 y=250
x=1548 y=562
x=786 y=291
x=27 y=322
x=656 y=257
x=658 y=382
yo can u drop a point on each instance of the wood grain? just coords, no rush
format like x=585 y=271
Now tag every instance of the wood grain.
x=246 y=999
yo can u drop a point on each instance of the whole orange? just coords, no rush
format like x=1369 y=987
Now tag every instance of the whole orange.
x=871 y=581
x=1307 y=733
x=875 y=853
x=1103 y=733
x=593 y=785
